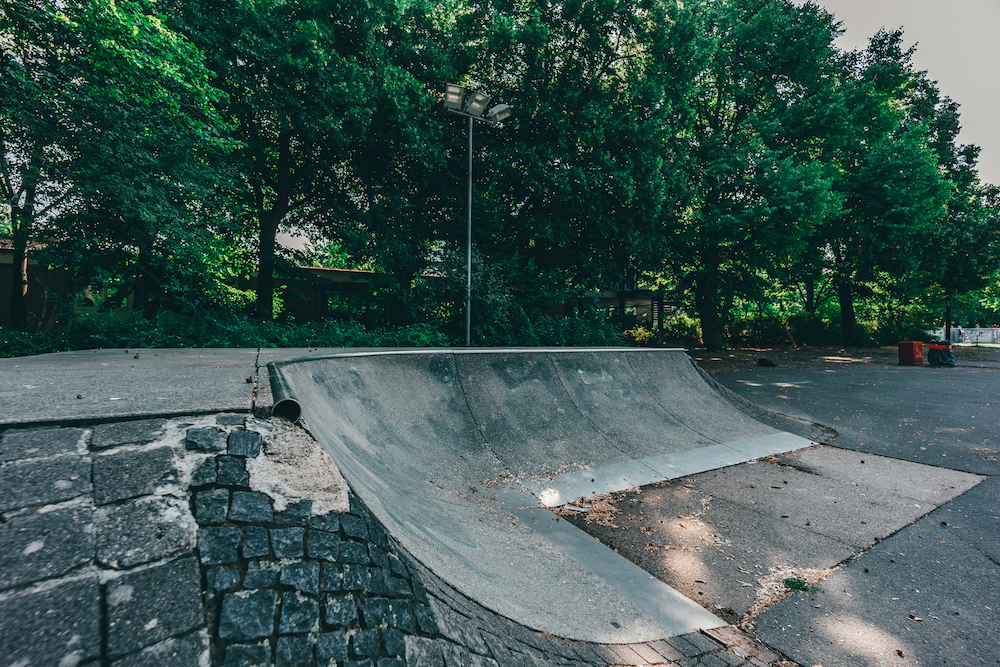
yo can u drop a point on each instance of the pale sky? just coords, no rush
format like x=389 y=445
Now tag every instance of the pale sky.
x=959 y=47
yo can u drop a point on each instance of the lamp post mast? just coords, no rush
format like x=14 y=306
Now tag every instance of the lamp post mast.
x=468 y=253
x=458 y=101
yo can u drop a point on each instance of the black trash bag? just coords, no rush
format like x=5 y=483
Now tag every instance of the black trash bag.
x=940 y=354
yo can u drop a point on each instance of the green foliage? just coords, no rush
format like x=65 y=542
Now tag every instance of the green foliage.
x=214 y=329
x=726 y=154
x=801 y=586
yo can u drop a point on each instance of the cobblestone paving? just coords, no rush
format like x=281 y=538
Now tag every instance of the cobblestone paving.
x=142 y=543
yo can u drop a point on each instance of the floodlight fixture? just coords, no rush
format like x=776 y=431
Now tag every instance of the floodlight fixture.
x=454 y=96
x=477 y=104
x=498 y=113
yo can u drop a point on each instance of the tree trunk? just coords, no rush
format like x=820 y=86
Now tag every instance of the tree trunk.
x=269 y=221
x=706 y=300
x=265 y=266
x=22 y=221
x=19 y=281
x=811 y=296
x=848 y=318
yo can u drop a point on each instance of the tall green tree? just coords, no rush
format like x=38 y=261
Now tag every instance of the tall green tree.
x=308 y=85
x=106 y=132
x=573 y=191
x=754 y=190
x=885 y=171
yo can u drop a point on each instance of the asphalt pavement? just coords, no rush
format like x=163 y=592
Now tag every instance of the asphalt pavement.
x=929 y=594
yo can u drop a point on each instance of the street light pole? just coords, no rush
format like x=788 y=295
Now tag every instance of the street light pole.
x=468 y=254
x=458 y=101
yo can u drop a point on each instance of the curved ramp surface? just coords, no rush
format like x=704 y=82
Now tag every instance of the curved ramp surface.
x=458 y=452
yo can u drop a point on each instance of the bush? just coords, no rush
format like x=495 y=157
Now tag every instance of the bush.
x=218 y=329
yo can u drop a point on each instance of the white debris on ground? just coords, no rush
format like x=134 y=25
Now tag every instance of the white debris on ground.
x=292 y=465
x=772 y=588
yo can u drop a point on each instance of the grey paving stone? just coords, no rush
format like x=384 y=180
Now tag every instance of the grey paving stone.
x=394 y=641
x=44 y=481
x=221 y=579
x=666 y=650
x=183 y=651
x=417 y=586
x=403 y=618
x=137 y=432
x=205 y=473
x=682 y=644
x=209 y=440
x=378 y=557
x=355 y=553
x=379 y=581
x=293 y=652
x=392 y=662
x=425 y=619
x=296 y=513
x=329 y=522
x=340 y=612
x=366 y=643
x=330 y=578
x=498 y=650
x=256 y=542
x=378 y=534
x=322 y=545
x=287 y=542
x=397 y=566
x=302 y=576
x=143 y=530
x=422 y=652
x=459 y=629
x=232 y=471
x=137 y=615
x=354 y=527
x=261 y=574
x=712 y=661
x=244 y=443
x=647 y=653
x=399 y=587
x=128 y=474
x=218 y=545
x=375 y=611
x=356 y=578
x=247 y=655
x=626 y=655
x=58 y=626
x=17 y=444
x=211 y=506
x=39 y=546
x=331 y=647
x=251 y=507
x=367 y=662
x=299 y=613
x=233 y=419
x=702 y=642
x=248 y=614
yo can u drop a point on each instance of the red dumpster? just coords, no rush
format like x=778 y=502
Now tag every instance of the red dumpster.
x=911 y=353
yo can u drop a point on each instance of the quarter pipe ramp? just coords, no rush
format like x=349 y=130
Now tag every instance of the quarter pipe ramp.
x=459 y=453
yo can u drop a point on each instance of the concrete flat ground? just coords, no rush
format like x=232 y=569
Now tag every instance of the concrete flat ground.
x=927 y=593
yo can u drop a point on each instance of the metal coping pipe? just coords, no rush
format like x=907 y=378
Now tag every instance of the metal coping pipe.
x=285 y=405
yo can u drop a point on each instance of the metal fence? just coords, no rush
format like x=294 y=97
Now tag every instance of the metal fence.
x=978 y=335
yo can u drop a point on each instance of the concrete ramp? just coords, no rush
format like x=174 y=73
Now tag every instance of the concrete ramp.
x=458 y=452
